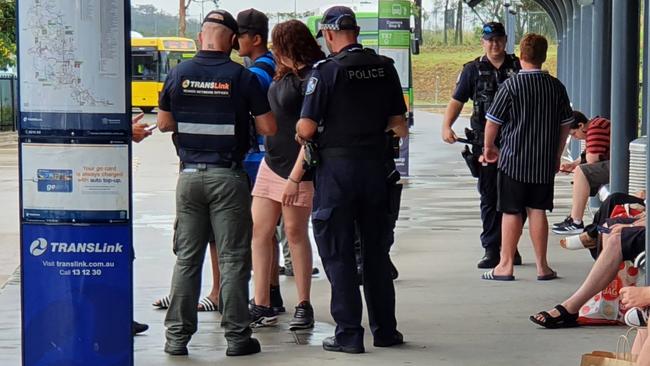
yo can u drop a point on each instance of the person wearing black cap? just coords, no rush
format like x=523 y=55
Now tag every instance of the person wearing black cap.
x=351 y=100
x=206 y=102
x=479 y=81
x=253 y=40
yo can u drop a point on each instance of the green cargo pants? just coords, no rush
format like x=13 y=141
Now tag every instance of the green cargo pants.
x=217 y=199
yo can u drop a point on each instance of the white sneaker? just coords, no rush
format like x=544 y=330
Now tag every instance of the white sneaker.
x=636 y=317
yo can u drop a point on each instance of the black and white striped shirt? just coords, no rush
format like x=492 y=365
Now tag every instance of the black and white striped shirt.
x=531 y=107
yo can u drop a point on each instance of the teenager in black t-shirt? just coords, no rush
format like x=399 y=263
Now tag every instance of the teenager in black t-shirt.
x=282 y=186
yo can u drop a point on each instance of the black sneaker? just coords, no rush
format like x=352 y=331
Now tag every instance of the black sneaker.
x=566 y=219
x=276 y=300
x=175 y=350
x=332 y=345
x=395 y=340
x=303 y=318
x=137 y=328
x=262 y=316
x=570 y=228
x=252 y=347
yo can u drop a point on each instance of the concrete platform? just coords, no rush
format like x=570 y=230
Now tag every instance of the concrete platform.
x=447 y=314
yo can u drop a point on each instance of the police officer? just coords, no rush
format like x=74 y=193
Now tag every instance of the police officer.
x=479 y=81
x=207 y=101
x=352 y=99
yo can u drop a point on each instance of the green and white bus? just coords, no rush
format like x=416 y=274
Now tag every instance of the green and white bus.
x=386 y=28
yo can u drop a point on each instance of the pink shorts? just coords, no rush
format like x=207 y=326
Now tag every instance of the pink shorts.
x=270 y=185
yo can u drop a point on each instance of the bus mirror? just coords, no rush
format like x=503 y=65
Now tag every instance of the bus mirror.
x=415 y=46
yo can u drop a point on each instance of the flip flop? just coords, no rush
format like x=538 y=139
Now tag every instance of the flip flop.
x=547 y=277
x=490 y=276
x=205 y=304
x=162 y=303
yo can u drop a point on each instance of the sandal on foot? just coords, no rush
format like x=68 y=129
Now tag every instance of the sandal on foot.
x=162 y=303
x=564 y=320
x=205 y=304
x=547 y=277
x=489 y=275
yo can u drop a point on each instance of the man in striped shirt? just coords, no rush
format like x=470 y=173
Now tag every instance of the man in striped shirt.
x=591 y=171
x=533 y=111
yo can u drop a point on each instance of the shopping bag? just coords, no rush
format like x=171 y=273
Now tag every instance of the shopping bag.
x=605 y=308
x=622 y=356
x=627 y=210
x=601 y=358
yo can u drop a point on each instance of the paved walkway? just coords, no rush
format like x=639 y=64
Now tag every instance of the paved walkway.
x=447 y=314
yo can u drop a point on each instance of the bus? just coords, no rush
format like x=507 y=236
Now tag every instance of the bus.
x=151 y=60
x=385 y=26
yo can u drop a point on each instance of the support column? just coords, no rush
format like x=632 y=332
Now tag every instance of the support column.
x=625 y=89
x=577 y=64
x=585 y=58
x=601 y=59
x=646 y=85
x=646 y=119
x=568 y=62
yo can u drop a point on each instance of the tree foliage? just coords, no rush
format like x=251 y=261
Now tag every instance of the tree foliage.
x=7 y=33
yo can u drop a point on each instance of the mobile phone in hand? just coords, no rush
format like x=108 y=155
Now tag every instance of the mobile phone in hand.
x=604 y=229
x=151 y=127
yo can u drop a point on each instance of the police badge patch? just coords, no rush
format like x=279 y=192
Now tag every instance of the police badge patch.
x=311 y=86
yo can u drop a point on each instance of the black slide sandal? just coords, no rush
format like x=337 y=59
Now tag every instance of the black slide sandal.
x=564 y=320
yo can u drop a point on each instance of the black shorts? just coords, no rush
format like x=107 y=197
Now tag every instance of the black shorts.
x=515 y=197
x=632 y=242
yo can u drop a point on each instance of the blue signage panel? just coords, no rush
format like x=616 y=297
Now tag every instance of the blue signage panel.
x=77 y=296
x=37 y=124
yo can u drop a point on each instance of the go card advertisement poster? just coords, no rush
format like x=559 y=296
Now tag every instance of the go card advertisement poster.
x=77 y=183
x=77 y=282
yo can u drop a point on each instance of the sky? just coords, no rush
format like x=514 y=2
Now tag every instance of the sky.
x=235 y=6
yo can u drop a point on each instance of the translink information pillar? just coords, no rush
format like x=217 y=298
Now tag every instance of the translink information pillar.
x=75 y=182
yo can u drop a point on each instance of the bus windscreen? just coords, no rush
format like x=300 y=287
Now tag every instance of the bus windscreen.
x=169 y=59
x=145 y=65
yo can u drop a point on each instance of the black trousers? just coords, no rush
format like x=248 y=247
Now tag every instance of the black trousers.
x=349 y=192
x=603 y=214
x=491 y=218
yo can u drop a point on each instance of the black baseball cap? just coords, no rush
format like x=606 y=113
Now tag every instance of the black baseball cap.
x=253 y=21
x=493 y=29
x=338 y=18
x=224 y=18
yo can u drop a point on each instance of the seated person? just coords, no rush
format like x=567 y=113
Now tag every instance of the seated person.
x=589 y=238
x=589 y=176
x=625 y=241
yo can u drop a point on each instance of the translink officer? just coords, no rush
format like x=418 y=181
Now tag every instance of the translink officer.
x=352 y=99
x=207 y=102
x=479 y=81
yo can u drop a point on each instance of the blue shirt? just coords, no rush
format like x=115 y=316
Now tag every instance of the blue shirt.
x=264 y=68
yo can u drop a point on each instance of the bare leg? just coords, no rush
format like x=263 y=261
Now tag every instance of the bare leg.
x=639 y=341
x=296 y=221
x=265 y=216
x=216 y=275
x=511 y=227
x=601 y=274
x=644 y=354
x=274 y=277
x=580 y=194
x=538 y=228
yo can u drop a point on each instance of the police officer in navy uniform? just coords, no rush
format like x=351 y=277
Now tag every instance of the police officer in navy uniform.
x=207 y=102
x=352 y=99
x=479 y=81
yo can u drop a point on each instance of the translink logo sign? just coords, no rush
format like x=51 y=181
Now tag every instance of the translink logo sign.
x=40 y=246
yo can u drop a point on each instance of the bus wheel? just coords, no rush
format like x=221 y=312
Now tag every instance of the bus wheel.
x=147 y=109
